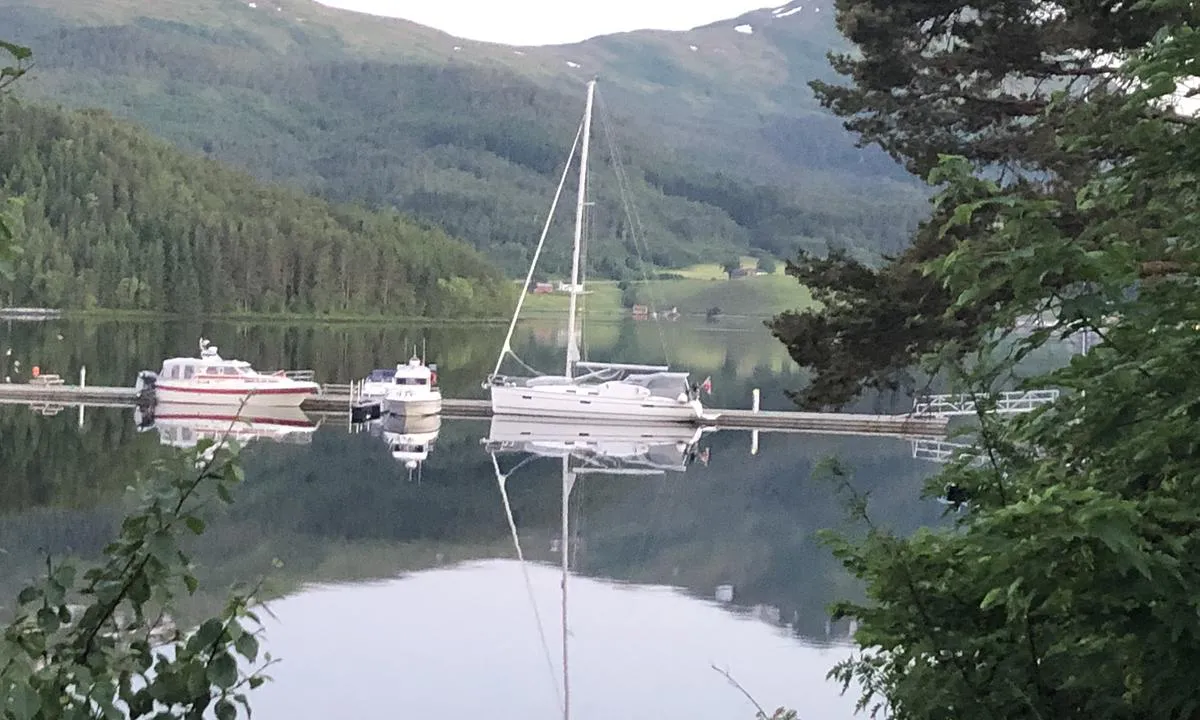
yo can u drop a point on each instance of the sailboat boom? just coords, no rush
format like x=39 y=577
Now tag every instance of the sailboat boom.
x=621 y=366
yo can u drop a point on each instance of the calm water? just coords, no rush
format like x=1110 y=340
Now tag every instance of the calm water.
x=399 y=590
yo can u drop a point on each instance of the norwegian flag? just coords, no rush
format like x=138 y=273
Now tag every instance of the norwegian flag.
x=706 y=386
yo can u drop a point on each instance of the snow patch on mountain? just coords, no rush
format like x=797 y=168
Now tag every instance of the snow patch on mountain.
x=745 y=29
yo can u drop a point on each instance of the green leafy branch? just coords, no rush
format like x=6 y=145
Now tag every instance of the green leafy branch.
x=19 y=63
x=105 y=647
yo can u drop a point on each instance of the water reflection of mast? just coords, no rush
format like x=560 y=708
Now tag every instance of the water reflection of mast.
x=599 y=449
x=568 y=481
x=502 y=480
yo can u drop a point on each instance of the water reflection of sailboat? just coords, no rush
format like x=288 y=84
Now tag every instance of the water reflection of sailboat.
x=599 y=447
x=184 y=425
x=584 y=448
x=409 y=438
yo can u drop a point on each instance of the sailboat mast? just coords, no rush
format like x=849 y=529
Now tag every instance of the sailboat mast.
x=572 y=348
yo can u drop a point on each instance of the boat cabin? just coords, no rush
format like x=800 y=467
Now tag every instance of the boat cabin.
x=210 y=365
x=415 y=373
x=188 y=368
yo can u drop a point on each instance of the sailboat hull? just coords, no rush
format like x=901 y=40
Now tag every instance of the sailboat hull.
x=554 y=402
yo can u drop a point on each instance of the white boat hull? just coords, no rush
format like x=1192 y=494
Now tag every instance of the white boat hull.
x=412 y=406
x=289 y=396
x=540 y=402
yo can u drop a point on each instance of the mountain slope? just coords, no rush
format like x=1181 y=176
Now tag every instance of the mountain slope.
x=110 y=217
x=726 y=149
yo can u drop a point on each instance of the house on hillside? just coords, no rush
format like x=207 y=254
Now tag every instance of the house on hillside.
x=741 y=273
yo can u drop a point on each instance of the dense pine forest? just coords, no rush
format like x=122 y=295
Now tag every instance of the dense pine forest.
x=109 y=217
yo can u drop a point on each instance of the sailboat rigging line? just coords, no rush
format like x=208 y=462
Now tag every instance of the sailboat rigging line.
x=512 y=527
x=524 y=364
x=632 y=217
x=507 y=347
x=581 y=198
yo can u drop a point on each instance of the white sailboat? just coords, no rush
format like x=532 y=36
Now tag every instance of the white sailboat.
x=590 y=390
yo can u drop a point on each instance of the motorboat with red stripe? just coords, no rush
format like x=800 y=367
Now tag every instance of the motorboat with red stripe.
x=213 y=380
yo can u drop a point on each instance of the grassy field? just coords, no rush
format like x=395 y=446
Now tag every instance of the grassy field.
x=761 y=296
x=714 y=271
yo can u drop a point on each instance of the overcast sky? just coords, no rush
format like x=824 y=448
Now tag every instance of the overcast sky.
x=545 y=22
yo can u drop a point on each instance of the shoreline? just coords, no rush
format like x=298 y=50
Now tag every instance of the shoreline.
x=271 y=318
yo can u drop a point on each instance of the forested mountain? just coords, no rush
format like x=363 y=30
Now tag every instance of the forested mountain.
x=725 y=147
x=111 y=217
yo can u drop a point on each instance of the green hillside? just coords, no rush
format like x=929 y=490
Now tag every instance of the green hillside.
x=726 y=150
x=109 y=217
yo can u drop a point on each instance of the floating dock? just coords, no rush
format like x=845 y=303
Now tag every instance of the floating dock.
x=29 y=313
x=340 y=404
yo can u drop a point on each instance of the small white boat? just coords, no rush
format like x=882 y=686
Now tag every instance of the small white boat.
x=184 y=425
x=375 y=385
x=213 y=380
x=413 y=391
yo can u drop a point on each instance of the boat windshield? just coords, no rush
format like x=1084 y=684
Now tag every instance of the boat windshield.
x=227 y=370
x=384 y=375
x=411 y=381
x=663 y=384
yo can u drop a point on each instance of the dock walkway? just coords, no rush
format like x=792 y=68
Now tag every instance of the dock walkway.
x=340 y=404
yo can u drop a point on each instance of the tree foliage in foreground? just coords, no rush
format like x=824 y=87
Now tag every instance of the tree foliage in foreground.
x=1070 y=586
x=997 y=83
x=99 y=642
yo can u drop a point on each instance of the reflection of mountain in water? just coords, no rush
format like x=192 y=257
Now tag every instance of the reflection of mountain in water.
x=340 y=508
